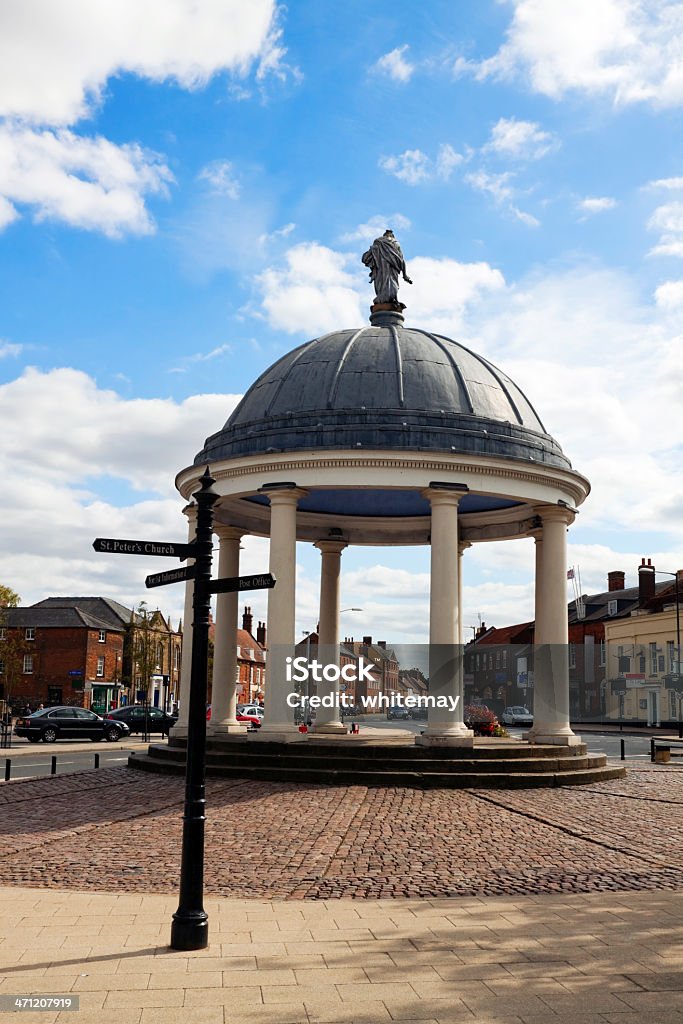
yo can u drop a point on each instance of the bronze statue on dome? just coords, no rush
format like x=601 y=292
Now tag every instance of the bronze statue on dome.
x=386 y=264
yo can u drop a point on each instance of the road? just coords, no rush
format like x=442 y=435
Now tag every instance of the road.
x=636 y=747
x=33 y=761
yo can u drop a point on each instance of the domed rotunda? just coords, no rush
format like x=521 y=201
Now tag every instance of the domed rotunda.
x=385 y=434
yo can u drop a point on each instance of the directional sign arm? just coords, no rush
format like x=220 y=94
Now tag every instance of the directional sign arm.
x=161 y=579
x=153 y=548
x=258 y=581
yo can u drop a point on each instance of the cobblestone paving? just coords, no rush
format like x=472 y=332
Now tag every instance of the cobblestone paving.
x=120 y=831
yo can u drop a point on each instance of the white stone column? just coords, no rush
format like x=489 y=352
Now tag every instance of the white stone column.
x=278 y=723
x=551 y=633
x=328 y=719
x=463 y=545
x=445 y=726
x=179 y=730
x=223 y=688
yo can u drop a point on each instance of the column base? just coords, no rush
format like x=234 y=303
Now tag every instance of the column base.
x=178 y=732
x=226 y=729
x=284 y=733
x=462 y=738
x=552 y=739
x=329 y=727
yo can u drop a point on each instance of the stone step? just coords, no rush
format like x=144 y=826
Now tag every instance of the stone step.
x=336 y=761
x=386 y=751
x=473 y=778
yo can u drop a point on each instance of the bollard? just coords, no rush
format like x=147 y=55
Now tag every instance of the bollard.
x=652 y=749
x=53 y=769
x=623 y=749
x=8 y=769
x=97 y=760
x=680 y=730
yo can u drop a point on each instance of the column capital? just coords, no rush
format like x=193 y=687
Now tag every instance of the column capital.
x=286 y=496
x=555 y=514
x=225 y=532
x=463 y=545
x=332 y=547
x=191 y=512
x=437 y=496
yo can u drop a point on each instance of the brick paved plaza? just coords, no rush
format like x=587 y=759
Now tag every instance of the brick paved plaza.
x=461 y=906
x=298 y=841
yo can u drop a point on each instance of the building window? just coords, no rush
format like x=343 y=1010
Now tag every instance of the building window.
x=3 y=632
x=653 y=659
x=30 y=633
x=602 y=652
x=612 y=607
x=572 y=655
x=670 y=656
x=2 y=668
x=100 y=668
x=102 y=638
x=176 y=658
x=28 y=664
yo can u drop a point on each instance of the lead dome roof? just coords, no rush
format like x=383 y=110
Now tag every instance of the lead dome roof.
x=385 y=387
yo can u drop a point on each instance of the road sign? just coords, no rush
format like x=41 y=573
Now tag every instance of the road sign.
x=259 y=581
x=160 y=579
x=113 y=546
x=75 y=672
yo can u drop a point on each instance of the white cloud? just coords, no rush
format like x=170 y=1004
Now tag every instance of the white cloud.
x=499 y=188
x=87 y=183
x=68 y=443
x=414 y=167
x=444 y=290
x=668 y=221
x=220 y=176
x=596 y=204
x=669 y=295
x=314 y=292
x=394 y=65
x=626 y=49
x=521 y=140
x=671 y=184
x=9 y=349
x=57 y=55
x=376 y=226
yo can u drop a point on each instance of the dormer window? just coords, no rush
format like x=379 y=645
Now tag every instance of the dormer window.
x=612 y=607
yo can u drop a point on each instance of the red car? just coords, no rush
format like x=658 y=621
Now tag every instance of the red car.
x=251 y=714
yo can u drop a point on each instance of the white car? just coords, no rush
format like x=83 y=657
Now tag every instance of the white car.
x=517 y=716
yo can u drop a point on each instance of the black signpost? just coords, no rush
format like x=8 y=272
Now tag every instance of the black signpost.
x=190 y=928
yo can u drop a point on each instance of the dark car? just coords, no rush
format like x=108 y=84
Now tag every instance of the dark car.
x=400 y=713
x=64 y=723
x=134 y=715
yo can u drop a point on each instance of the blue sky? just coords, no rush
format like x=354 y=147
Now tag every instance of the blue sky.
x=185 y=192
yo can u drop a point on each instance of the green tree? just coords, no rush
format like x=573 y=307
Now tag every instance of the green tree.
x=13 y=647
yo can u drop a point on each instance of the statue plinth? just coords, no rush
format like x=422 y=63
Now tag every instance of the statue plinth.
x=387 y=307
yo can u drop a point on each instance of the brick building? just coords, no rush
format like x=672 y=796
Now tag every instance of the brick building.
x=81 y=651
x=65 y=651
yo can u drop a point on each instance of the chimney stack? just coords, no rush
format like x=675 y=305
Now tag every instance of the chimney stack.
x=646 y=582
x=261 y=634
x=367 y=640
x=616 y=580
x=247 y=619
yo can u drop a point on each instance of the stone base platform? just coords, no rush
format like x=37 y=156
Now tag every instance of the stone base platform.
x=353 y=760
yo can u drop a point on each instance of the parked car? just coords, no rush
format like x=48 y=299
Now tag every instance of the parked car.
x=250 y=713
x=134 y=717
x=65 y=723
x=398 y=713
x=517 y=716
